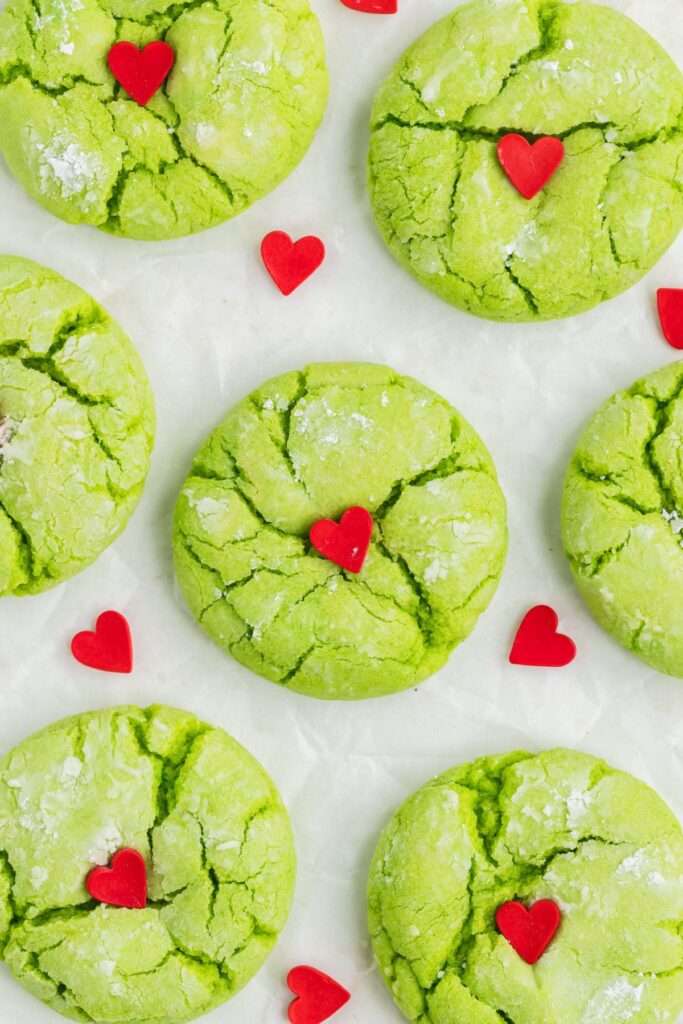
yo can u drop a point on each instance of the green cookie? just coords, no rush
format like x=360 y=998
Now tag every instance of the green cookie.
x=76 y=428
x=621 y=518
x=558 y=826
x=220 y=865
x=237 y=113
x=535 y=67
x=308 y=446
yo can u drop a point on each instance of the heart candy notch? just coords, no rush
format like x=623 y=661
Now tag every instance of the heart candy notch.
x=531 y=931
x=670 y=307
x=345 y=543
x=124 y=884
x=141 y=72
x=109 y=648
x=291 y=263
x=538 y=642
x=530 y=166
x=318 y=996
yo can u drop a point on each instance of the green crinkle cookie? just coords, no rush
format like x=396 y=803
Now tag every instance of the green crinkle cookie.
x=76 y=428
x=560 y=826
x=537 y=67
x=308 y=446
x=237 y=113
x=218 y=846
x=621 y=518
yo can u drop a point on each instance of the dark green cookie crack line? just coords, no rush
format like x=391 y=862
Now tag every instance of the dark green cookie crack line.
x=215 y=836
x=579 y=71
x=308 y=446
x=76 y=428
x=622 y=518
x=237 y=113
x=561 y=826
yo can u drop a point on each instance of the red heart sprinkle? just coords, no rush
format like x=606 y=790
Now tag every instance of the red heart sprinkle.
x=670 y=306
x=109 y=648
x=372 y=6
x=530 y=167
x=141 y=72
x=291 y=263
x=538 y=642
x=529 y=932
x=124 y=884
x=319 y=996
x=345 y=543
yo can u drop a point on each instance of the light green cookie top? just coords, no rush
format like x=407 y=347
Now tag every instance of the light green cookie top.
x=220 y=863
x=76 y=428
x=237 y=113
x=622 y=517
x=308 y=446
x=560 y=826
x=579 y=71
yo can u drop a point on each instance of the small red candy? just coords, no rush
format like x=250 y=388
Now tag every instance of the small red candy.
x=538 y=642
x=124 y=884
x=530 y=166
x=318 y=996
x=109 y=648
x=291 y=263
x=345 y=543
x=529 y=932
x=372 y=6
x=670 y=306
x=141 y=72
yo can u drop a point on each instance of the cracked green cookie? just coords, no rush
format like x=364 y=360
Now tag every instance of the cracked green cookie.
x=622 y=518
x=308 y=446
x=237 y=113
x=561 y=826
x=76 y=428
x=218 y=846
x=579 y=71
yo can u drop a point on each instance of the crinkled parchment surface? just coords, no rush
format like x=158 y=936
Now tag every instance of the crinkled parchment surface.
x=211 y=328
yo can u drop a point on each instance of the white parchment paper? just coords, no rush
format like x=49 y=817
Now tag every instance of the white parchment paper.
x=210 y=326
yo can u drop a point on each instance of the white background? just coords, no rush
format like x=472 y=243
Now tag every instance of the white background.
x=210 y=326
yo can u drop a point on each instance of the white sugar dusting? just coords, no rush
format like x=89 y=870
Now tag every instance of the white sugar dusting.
x=617 y=1002
x=73 y=170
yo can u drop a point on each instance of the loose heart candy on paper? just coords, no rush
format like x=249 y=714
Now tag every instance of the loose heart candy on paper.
x=109 y=648
x=345 y=543
x=372 y=6
x=124 y=884
x=530 y=166
x=529 y=932
x=539 y=643
x=670 y=306
x=141 y=72
x=318 y=996
x=291 y=263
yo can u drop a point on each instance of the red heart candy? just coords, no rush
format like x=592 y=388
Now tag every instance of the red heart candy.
x=109 y=648
x=670 y=306
x=319 y=996
x=290 y=263
x=538 y=642
x=345 y=543
x=372 y=6
x=530 y=167
x=124 y=884
x=529 y=932
x=141 y=72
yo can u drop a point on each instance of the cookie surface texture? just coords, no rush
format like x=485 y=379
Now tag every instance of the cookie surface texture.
x=76 y=428
x=236 y=114
x=219 y=853
x=580 y=72
x=558 y=826
x=621 y=518
x=308 y=446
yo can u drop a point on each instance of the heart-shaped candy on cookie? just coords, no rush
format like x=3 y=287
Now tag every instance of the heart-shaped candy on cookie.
x=318 y=996
x=538 y=642
x=109 y=648
x=141 y=72
x=530 y=166
x=531 y=931
x=345 y=543
x=124 y=884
